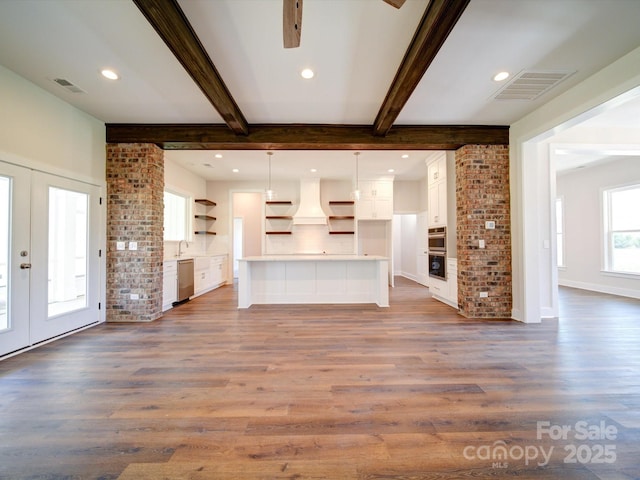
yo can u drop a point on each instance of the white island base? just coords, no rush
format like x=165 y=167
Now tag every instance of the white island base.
x=296 y=279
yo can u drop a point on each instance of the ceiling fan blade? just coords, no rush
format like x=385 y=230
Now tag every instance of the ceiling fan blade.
x=395 y=3
x=291 y=23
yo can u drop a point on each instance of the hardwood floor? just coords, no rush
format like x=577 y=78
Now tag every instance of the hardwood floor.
x=414 y=391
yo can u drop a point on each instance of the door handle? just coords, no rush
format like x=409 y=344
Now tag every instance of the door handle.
x=25 y=266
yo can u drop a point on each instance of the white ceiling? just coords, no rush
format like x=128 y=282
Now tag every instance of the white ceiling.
x=355 y=47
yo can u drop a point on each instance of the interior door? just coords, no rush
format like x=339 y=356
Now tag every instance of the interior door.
x=14 y=257
x=49 y=256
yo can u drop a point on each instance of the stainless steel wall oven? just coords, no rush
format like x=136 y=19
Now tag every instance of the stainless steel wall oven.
x=437 y=239
x=437 y=242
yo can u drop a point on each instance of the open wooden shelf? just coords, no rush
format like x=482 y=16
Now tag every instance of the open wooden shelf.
x=278 y=217
x=278 y=233
x=341 y=232
x=341 y=202
x=204 y=232
x=205 y=217
x=341 y=217
x=278 y=202
x=204 y=201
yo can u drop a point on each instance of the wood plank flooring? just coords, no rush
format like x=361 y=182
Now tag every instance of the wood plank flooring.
x=413 y=391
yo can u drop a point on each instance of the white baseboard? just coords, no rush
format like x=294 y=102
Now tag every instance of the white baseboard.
x=594 y=287
x=407 y=275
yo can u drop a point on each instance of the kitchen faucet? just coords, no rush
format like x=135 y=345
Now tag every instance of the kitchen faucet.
x=180 y=246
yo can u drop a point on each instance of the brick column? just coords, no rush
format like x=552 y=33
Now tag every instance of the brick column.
x=482 y=194
x=135 y=213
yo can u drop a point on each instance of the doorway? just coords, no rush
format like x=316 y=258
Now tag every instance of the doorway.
x=246 y=214
x=49 y=256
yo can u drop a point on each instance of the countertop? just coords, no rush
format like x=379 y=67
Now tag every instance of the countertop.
x=191 y=257
x=312 y=258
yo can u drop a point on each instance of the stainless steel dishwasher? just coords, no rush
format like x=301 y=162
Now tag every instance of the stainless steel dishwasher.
x=185 y=279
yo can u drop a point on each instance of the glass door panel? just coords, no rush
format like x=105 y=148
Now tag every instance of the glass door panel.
x=68 y=229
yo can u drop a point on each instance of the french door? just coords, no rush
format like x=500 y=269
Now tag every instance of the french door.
x=49 y=256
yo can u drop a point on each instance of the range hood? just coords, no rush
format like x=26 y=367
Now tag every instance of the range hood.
x=310 y=211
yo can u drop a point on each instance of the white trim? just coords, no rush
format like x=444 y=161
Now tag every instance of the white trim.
x=594 y=287
x=611 y=86
x=20 y=161
x=44 y=342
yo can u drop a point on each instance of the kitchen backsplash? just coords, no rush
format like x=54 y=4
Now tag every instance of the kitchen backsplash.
x=309 y=239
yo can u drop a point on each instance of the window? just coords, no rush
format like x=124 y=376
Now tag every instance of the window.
x=622 y=229
x=560 y=231
x=176 y=215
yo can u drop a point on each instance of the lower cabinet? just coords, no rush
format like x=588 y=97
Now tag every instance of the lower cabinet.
x=209 y=273
x=446 y=291
x=169 y=283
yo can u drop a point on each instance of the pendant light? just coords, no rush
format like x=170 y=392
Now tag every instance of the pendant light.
x=270 y=194
x=355 y=195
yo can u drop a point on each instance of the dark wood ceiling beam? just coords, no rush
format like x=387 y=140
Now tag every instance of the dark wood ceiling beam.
x=437 y=22
x=307 y=137
x=395 y=3
x=169 y=21
x=291 y=23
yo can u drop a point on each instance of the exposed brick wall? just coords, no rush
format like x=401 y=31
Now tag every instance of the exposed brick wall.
x=482 y=193
x=135 y=211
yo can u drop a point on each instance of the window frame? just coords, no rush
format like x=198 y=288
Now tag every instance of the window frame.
x=560 y=235
x=608 y=231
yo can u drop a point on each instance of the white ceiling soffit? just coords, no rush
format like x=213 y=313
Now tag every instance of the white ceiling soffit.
x=529 y=85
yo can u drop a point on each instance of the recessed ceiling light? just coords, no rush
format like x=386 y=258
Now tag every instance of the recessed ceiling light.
x=235 y=170
x=498 y=77
x=307 y=73
x=218 y=155
x=110 y=74
x=313 y=170
x=405 y=156
x=391 y=170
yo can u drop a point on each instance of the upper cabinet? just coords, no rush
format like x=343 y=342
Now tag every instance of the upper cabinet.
x=376 y=200
x=437 y=189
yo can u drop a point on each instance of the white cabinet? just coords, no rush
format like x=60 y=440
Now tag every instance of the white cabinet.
x=209 y=273
x=446 y=291
x=438 y=204
x=437 y=169
x=219 y=270
x=376 y=200
x=169 y=284
x=437 y=190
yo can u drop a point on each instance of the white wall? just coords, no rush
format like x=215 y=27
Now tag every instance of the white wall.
x=406 y=196
x=40 y=131
x=582 y=193
x=530 y=200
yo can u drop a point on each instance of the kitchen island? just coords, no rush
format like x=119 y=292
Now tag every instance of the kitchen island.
x=299 y=279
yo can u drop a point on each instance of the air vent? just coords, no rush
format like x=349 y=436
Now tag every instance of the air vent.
x=64 y=83
x=529 y=85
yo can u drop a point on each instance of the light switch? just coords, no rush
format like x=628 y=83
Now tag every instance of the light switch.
x=120 y=245
x=133 y=245
x=480 y=243
x=490 y=225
